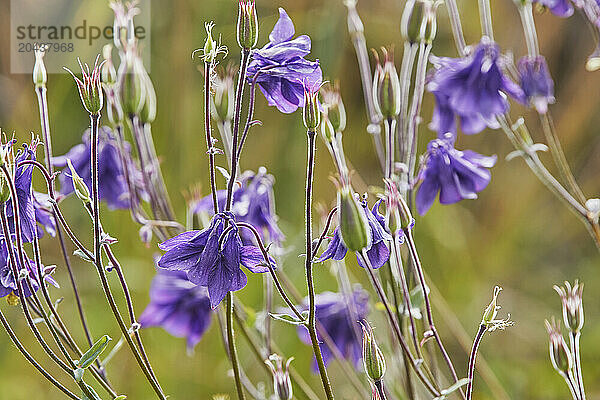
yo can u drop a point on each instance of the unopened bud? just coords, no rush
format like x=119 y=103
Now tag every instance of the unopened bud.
x=419 y=22
x=79 y=186
x=354 y=226
x=311 y=113
x=572 y=305
x=282 y=384
x=386 y=87
x=373 y=359
x=247 y=24
x=132 y=90
x=560 y=355
x=40 y=76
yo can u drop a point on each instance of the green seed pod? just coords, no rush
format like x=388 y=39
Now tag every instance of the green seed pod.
x=311 y=113
x=386 y=87
x=560 y=355
x=148 y=113
x=131 y=86
x=247 y=25
x=419 y=23
x=79 y=186
x=354 y=226
x=373 y=359
x=40 y=76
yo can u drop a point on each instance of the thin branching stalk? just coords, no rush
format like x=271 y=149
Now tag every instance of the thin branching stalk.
x=311 y=325
x=395 y=326
x=473 y=358
x=485 y=17
x=208 y=70
x=574 y=342
x=457 y=31
x=233 y=355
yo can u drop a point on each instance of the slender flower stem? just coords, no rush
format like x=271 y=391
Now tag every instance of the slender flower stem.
x=356 y=30
x=485 y=16
x=41 y=92
x=390 y=148
x=309 y=267
x=380 y=389
x=408 y=61
x=208 y=70
x=457 y=31
x=233 y=349
x=574 y=341
x=572 y=385
x=94 y=120
x=396 y=327
x=528 y=23
x=31 y=359
x=429 y=313
x=472 y=359
x=397 y=262
x=236 y=124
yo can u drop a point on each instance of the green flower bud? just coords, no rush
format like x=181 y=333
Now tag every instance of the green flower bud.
x=247 y=25
x=131 y=86
x=79 y=186
x=311 y=113
x=560 y=355
x=419 y=22
x=373 y=359
x=386 y=87
x=572 y=305
x=354 y=226
x=40 y=76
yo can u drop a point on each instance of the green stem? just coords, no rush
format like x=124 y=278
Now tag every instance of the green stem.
x=233 y=349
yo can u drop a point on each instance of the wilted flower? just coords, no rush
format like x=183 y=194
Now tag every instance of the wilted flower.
x=378 y=251
x=455 y=174
x=338 y=315
x=113 y=183
x=253 y=203
x=178 y=306
x=560 y=355
x=90 y=88
x=536 y=82
x=572 y=305
x=473 y=89
x=282 y=384
x=8 y=283
x=212 y=257
x=284 y=69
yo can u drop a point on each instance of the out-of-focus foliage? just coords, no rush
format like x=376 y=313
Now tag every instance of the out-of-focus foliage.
x=516 y=235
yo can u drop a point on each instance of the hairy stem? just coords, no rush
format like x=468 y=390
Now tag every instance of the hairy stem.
x=472 y=359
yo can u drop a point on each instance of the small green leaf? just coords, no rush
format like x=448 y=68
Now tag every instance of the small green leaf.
x=288 y=319
x=88 y=358
x=79 y=253
x=121 y=397
x=453 y=388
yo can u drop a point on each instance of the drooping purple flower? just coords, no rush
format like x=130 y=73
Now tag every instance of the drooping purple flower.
x=473 y=89
x=378 y=253
x=8 y=283
x=455 y=174
x=112 y=183
x=43 y=214
x=23 y=175
x=178 y=306
x=560 y=8
x=253 y=203
x=212 y=257
x=339 y=316
x=536 y=82
x=283 y=66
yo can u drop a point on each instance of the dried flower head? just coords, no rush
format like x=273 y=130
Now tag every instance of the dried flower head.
x=560 y=355
x=490 y=313
x=90 y=88
x=212 y=49
x=282 y=384
x=572 y=305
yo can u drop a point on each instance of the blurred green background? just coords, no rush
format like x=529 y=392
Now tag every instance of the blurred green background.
x=516 y=235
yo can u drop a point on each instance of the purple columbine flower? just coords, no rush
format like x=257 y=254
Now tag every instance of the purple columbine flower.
x=339 y=314
x=536 y=82
x=560 y=8
x=253 y=203
x=112 y=181
x=455 y=174
x=23 y=175
x=284 y=68
x=212 y=257
x=378 y=253
x=8 y=283
x=43 y=214
x=473 y=89
x=178 y=306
